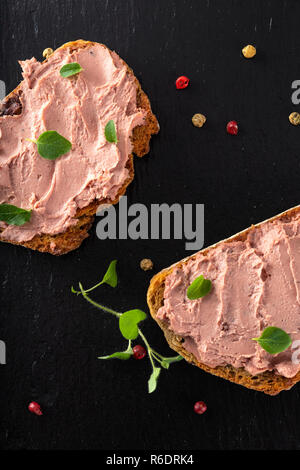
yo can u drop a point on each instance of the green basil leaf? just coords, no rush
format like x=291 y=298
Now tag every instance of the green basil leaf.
x=110 y=132
x=68 y=70
x=128 y=323
x=13 y=215
x=152 y=382
x=52 y=145
x=111 y=277
x=274 y=340
x=199 y=288
x=117 y=355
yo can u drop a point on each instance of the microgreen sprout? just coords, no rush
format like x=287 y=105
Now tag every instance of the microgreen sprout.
x=129 y=325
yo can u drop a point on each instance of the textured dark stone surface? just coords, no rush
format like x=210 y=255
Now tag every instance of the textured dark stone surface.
x=52 y=337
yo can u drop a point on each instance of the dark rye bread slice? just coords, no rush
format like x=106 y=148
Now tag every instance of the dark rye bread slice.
x=267 y=382
x=72 y=238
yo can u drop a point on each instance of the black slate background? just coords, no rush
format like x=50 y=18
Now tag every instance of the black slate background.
x=52 y=337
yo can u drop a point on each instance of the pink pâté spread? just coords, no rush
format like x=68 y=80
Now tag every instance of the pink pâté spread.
x=255 y=284
x=78 y=108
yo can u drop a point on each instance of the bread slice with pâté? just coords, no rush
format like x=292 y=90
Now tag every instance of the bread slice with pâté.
x=255 y=279
x=105 y=89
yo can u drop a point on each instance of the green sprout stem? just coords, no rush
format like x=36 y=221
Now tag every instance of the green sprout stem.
x=96 y=304
x=87 y=290
x=149 y=349
x=117 y=314
x=152 y=354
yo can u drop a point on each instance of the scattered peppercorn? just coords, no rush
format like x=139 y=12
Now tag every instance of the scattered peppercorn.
x=146 y=264
x=198 y=120
x=232 y=127
x=182 y=82
x=47 y=52
x=200 y=407
x=139 y=352
x=294 y=118
x=249 y=51
x=35 y=408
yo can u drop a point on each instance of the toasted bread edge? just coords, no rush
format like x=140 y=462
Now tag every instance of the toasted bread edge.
x=72 y=238
x=267 y=382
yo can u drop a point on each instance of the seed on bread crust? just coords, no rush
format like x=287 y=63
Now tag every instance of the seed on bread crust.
x=47 y=52
x=11 y=106
x=146 y=264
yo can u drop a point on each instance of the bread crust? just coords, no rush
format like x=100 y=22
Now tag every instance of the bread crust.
x=72 y=238
x=267 y=382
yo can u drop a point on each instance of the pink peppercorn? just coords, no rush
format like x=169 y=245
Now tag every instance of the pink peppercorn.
x=200 y=407
x=35 y=408
x=182 y=82
x=232 y=127
x=139 y=352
